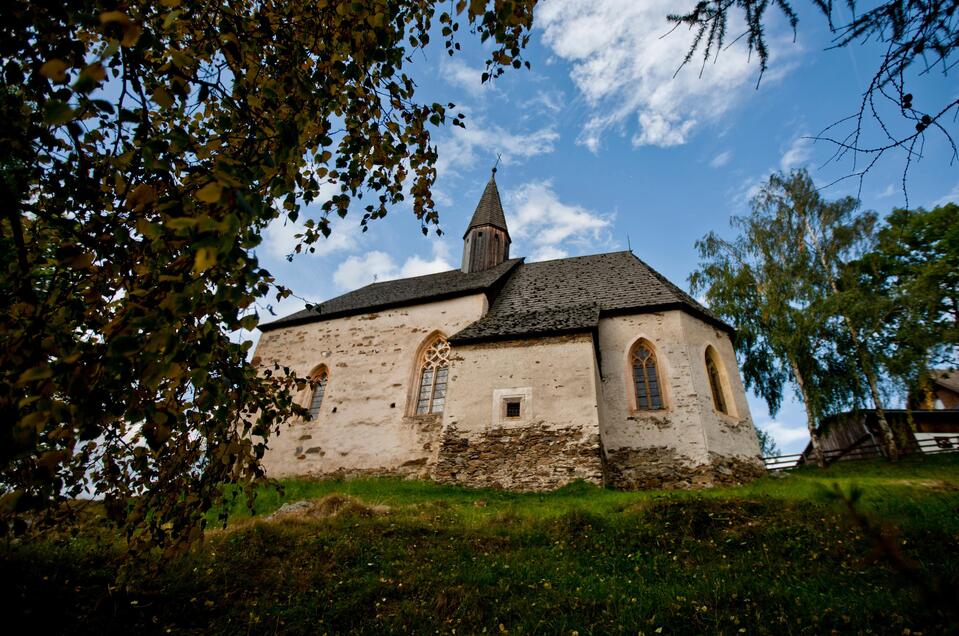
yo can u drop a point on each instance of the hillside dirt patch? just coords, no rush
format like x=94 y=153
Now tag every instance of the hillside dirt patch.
x=327 y=507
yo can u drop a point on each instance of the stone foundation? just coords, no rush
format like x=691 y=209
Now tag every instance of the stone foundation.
x=527 y=458
x=663 y=467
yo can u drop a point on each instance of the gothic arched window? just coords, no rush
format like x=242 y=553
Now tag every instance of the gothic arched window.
x=649 y=396
x=318 y=380
x=715 y=381
x=434 y=369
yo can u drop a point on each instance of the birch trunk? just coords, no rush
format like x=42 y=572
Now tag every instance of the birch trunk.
x=810 y=418
x=889 y=440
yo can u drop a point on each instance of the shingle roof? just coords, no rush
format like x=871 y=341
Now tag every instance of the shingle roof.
x=393 y=293
x=489 y=210
x=569 y=294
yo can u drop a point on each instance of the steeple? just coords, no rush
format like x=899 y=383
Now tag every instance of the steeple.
x=486 y=241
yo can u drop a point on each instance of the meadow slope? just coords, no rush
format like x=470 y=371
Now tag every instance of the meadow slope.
x=379 y=556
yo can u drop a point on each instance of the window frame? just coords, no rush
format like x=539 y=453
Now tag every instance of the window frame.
x=426 y=363
x=715 y=378
x=319 y=382
x=633 y=387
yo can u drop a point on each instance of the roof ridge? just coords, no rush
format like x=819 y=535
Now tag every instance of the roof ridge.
x=573 y=258
x=405 y=278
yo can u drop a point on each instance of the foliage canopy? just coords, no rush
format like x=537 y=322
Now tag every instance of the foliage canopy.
x=145 y=147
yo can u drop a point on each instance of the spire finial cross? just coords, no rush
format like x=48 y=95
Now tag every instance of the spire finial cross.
x=498 y=157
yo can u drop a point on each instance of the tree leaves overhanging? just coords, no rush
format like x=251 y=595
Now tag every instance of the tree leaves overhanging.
x=145 y=146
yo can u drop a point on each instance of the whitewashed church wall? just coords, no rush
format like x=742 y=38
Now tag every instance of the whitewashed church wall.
x=554 y=440
x=687 y=442
x=728 y=434
x=676 y=427
x=363 y=425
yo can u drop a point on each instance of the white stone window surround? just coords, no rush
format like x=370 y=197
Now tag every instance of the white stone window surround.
x=498 y=407
x=415 y=394
x=725 y=386
x=663 y=372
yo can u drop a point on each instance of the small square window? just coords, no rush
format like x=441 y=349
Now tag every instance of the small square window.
x=513 y=408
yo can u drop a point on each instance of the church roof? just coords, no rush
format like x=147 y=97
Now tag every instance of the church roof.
x=489 y=210
x=394 y=293
x=569 y=295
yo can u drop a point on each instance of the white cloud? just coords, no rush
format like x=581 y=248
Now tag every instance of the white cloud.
x=357 y=271
x=462 y=148
x=551 y=228
x=624 y=67
x=951 y=197
x=463 y=76
x=890 y=190
x=279 y=237
x=785 y=436
x=721 y=159
x=797 y=154
x=376 y=266
x=547 y=101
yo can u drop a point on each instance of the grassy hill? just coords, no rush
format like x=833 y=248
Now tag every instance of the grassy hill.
x=385 y=556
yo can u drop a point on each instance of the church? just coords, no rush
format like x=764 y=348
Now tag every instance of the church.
x=516 y=375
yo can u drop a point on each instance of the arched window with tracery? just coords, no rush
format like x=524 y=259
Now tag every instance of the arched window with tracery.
x=434 y=370
x=646 y=384
x=318 y=381
x=715 y=381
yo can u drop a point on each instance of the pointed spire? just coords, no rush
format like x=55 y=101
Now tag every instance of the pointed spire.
x=489 y=211
x=486 y=240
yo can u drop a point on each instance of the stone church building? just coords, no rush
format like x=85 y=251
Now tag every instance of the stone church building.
x=517 y=375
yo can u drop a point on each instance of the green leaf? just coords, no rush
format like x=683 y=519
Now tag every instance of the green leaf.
x=56 y=113
x=181 y=223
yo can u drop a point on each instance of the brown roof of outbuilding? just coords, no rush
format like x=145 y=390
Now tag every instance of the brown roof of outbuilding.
x=394 y=293
x=947 y=380
x=570 y=294
x=489 y=210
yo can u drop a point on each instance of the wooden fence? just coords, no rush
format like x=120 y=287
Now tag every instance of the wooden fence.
x=865 y=448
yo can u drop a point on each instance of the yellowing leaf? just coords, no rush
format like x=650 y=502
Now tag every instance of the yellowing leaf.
x=96 y=72
x=181 y=223
x=130 y=31
x=109 y=17
x=131 y=34
x=210 y=193
x=54 y=70
x=35 y=373
x=141 y=197
x=204 y=260
x=162 y=97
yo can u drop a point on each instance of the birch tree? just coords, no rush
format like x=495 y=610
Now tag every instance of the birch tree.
x=759 y=281
x=146 y=145
x=833 y=234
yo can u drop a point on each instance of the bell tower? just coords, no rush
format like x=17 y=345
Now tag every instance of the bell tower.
x=486 y=241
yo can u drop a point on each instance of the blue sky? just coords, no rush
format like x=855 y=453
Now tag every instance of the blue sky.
x=599 y=142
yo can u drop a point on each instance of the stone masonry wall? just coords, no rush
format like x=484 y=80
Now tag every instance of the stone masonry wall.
x=365 y=425
x=555 y=439
x=662 y=467
x=537 y=457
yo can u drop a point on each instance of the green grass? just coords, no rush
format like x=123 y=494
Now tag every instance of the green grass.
x=776 y=556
